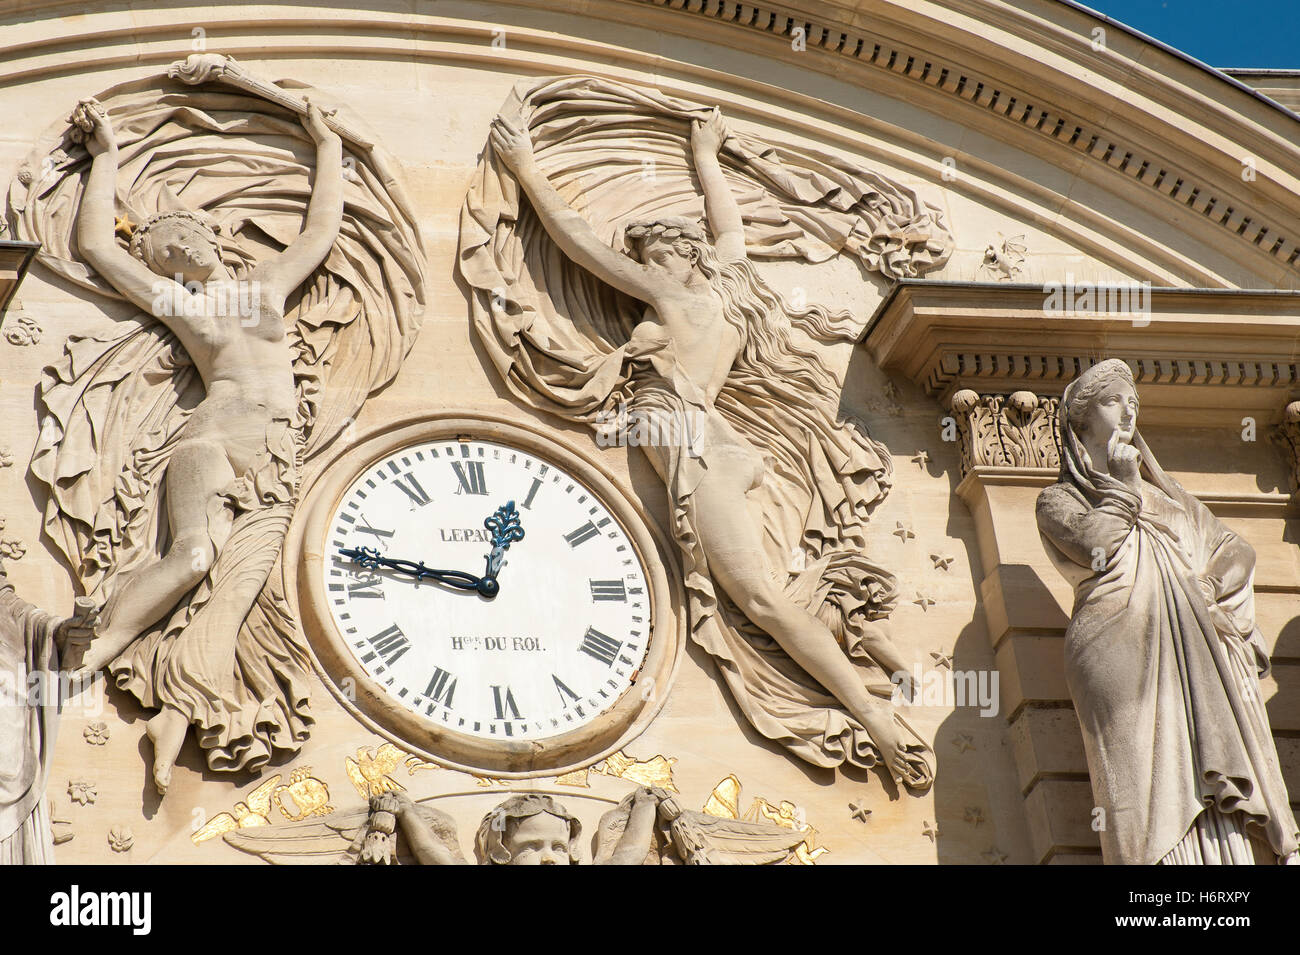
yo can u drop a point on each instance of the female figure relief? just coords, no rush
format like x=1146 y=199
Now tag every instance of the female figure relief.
x=1162 y=654
x=237 y=454
x=707 y=316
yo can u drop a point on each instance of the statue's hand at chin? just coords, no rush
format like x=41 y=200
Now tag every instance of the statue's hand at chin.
x=1124 y=459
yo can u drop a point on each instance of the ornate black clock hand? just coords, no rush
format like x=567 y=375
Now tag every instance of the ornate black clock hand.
x=370 y=557
x=505 y=527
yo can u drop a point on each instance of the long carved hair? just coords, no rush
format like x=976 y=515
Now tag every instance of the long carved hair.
x=753 y=308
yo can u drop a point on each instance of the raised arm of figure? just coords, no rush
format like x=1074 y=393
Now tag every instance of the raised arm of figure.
x=427 y=849
x=720 y=206
x=635 y=842
x=96 y=231
x=287 y=270
x=569 y=230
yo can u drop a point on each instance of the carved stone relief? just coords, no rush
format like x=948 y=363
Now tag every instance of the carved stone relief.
x=1017 y=430
x=312 y=318
x=639 y=248
x=11 y=548
x=22 y=330
x=1287 y=437
x=34 y=647
x=1004 y=260
x=649 y=826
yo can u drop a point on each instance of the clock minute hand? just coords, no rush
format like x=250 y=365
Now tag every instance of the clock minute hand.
x=370 y=557
x=506 y=529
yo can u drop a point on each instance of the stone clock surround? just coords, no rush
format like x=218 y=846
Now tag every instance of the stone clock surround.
x=306 y=551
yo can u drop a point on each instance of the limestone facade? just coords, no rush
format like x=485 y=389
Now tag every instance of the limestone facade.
x=1092 y=196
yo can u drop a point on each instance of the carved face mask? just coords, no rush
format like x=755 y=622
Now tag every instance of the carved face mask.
x=541 y=839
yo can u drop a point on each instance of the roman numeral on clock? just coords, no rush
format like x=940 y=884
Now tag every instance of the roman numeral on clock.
x=608 y=590
x=441 y=687
x=412 y=489
x=532 y=493
x=584 y=533
x=368 y=586
x=564 y=691
x=471 y=478
x=389 y=646
x=377 y=532
x=503 y=702
x=601 y=647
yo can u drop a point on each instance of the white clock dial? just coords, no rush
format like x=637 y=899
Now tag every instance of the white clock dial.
x=562 y=640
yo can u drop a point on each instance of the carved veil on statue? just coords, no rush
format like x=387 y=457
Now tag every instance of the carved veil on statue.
x=307 y=269
x=769 y=468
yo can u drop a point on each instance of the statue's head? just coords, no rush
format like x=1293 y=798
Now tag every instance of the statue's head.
x=673 y=244
x=529 y=830
x=1101 y=401
x=177 y=243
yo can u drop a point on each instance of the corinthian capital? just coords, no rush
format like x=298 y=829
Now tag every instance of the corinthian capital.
x=1014 y=431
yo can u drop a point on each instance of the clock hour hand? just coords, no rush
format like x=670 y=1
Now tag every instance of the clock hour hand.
x=370 y=557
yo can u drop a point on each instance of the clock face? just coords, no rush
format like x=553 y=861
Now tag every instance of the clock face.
x=562 y=640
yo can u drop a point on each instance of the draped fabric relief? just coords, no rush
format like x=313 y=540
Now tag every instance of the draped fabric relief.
x=114 y=406
x=562 y=341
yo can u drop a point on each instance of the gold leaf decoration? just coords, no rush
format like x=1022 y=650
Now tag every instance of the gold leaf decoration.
x=724 y=802
x=369 y=769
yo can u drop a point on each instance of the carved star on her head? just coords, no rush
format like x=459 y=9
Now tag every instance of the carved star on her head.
x=994 y=856
x=974 y=815
x=921 y=458
x=123 y=226
x=923 y=601
x=941 y=659
x=963 y=742
x=859 y=811
x=929 y=829
x=941 y=561
x=902 y=531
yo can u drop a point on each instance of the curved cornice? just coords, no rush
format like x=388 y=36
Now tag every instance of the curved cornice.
x=1164 y=120
x=1151 y=127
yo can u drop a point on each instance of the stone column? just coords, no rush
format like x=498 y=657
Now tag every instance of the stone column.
x=1009 y=452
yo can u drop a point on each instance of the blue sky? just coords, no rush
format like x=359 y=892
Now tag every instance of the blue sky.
x=1235 y=33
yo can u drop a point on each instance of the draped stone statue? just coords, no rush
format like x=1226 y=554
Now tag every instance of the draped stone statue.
x=600 y=296
x=648 y=827
x=1162 y=654
x=278 y=282
x=34 y=647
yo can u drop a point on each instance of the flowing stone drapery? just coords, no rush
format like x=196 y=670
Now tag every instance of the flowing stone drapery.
x=115 y=406
x=29 y=713
x=562 y=340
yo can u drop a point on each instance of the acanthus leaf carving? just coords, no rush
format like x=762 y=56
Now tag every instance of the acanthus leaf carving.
x=1012 y=431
